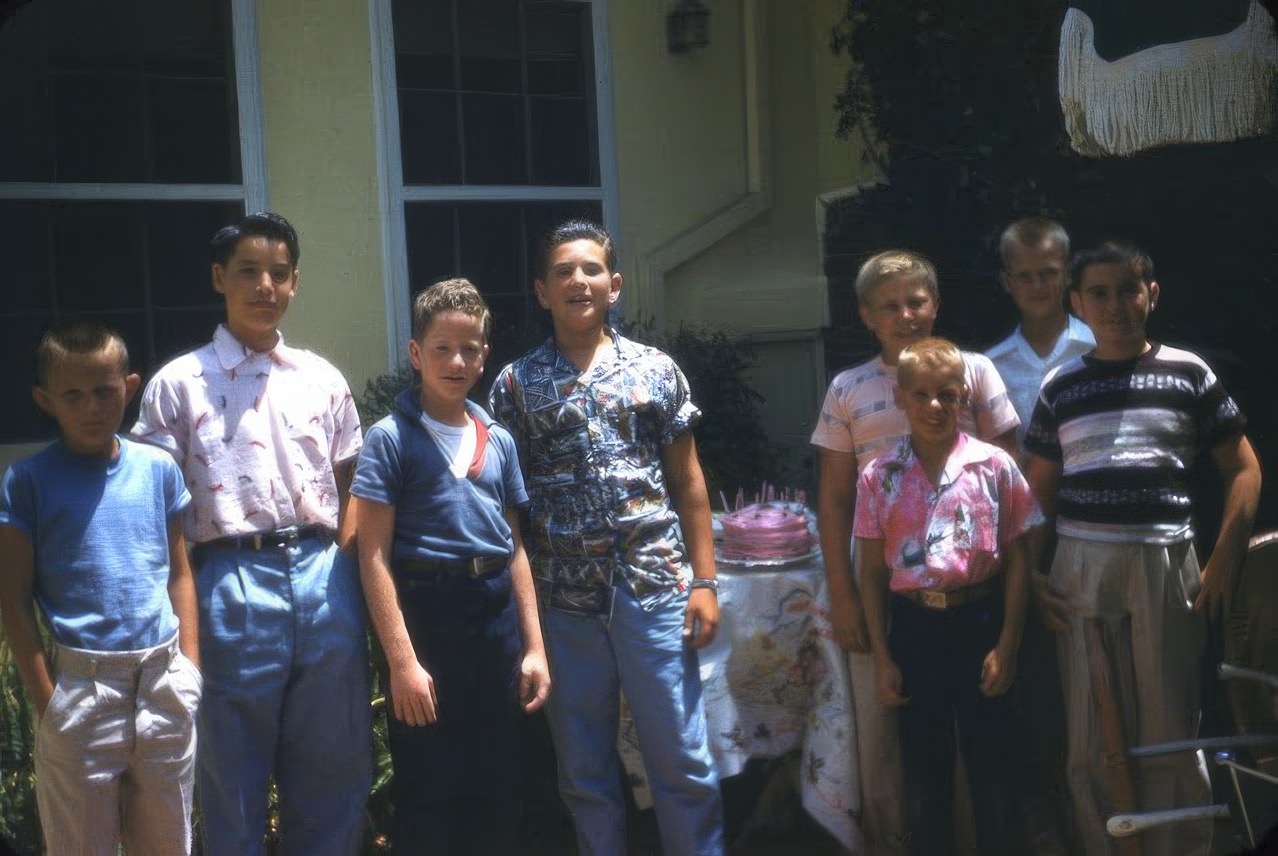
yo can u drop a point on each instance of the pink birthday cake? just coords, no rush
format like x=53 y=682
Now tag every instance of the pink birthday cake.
x=765 y=530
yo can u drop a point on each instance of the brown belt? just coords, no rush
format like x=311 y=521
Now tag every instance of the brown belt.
x=940 y=600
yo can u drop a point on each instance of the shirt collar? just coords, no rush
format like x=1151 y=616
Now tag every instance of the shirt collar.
x=232 y=353
x=962 y=456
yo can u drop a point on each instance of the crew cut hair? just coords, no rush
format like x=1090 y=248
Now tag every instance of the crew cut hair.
x=896 y=263
x=77 y=335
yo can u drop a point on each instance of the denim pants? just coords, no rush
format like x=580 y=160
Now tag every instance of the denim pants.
x=115 y=752
x=642 y=653
x=940 y=655
x=285 y=657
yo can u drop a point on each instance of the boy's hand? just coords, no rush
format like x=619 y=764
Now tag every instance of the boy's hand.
x=1054 y=608
x=701 y=620
x=997 y=672
x=1216 y=594
x=847 y=619
x=534 y=681
x=413 y=693
x=888 y=683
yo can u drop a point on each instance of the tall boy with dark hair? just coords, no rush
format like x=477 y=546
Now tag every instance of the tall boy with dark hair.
x=267 y=436
x=1113 y=437
x=91 y=531
x=621 y=551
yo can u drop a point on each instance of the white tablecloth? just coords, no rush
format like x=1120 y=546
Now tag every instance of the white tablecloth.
x=774 y=680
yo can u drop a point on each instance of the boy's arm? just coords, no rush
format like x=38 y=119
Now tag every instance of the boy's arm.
x=836 y=503
x=17 y=614
x=999 y=668
x=1007 y=442
x=412 y=689
x=344 y=474
x=1240 y=470
x=1044 y=477
x=687 y=486
x=182 y=592
x=534 y=673
x=875 y=577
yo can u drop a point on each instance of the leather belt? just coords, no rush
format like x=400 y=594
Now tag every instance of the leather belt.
x=289 y=536
x=942 y=600
x=476 y=566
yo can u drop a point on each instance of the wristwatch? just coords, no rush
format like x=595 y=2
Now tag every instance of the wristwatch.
x=701 y=582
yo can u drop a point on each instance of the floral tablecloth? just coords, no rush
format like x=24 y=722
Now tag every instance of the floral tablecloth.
x=775 y=681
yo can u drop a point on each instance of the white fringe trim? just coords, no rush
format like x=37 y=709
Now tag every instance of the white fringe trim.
x=1213 y=89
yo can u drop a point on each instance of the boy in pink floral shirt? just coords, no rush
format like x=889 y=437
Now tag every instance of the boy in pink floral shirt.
x=940 y=524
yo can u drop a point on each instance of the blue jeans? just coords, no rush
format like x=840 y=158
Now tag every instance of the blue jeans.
x=640 y=652
x=285 y=659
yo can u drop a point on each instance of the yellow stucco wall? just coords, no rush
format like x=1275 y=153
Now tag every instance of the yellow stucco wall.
x=321 y=160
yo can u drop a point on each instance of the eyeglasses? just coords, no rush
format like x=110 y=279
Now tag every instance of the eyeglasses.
x=1042 y=277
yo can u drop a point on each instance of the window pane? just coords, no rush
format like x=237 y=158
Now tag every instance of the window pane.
x=556 y=37
x=141 y=267
x=26 y=277
x=563 y=142
x=133 y=92
x=494 y=139
x=97 y=126
x=429 y=231
x=488 y=33
x=204 y=146
x=429 y=148
x=424 y=44
x=524 y=111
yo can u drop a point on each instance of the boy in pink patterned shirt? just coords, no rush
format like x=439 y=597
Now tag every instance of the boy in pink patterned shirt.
x=939 y=524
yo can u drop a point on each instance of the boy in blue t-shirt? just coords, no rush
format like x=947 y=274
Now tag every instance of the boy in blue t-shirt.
x=449 y=590
x=90 y=530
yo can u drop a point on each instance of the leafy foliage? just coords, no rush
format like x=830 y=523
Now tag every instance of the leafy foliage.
x=19 y=825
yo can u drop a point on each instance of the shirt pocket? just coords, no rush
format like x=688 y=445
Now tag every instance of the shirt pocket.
x=559 y=441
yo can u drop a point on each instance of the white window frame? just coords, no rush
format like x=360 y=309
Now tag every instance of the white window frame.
x=251 y=192
x=393 y=193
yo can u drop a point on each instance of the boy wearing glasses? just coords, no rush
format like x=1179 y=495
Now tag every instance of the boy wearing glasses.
x=1035 y=254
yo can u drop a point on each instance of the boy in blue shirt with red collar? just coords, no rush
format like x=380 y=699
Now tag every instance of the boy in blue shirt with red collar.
x=437 y=492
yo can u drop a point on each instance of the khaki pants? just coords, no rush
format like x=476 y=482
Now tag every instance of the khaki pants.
x=1142 y=594
x=115 y=752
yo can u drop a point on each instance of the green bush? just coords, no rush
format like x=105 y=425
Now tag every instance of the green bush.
x=19 y=825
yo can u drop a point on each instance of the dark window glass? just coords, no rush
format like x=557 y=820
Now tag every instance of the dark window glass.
x=141 y=267
x=136 y=92
x=430 y=148
x=494 y=131
x=563 y=142
x=473 y=76
x=495 y=245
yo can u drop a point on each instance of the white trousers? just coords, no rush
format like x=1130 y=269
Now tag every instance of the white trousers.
x=1141 y=595
x=115 y=752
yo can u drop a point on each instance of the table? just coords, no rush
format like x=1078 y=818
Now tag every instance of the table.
x=774 y=680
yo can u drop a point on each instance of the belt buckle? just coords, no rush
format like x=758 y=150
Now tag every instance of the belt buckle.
x=475 y=566
x=291 y=536
x=934 y=599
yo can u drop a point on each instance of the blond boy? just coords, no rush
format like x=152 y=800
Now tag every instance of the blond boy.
x=898 y=301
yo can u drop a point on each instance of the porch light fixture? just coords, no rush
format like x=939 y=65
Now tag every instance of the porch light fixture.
x=687 y=27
